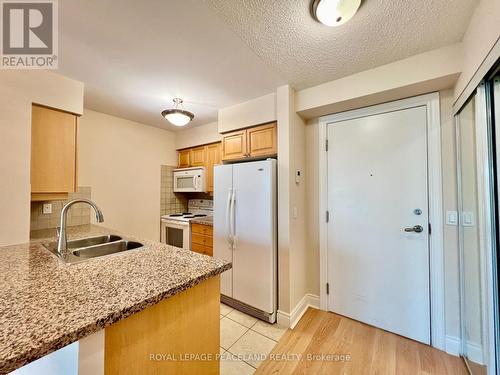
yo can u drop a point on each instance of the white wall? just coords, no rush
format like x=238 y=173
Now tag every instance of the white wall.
x=450 y=233
x=252 y=112
x=292 y=249
x=481 y=35
x=121 y=161
x=312 y=193
x=198 y=135
x=430 y=71
x=18 y=90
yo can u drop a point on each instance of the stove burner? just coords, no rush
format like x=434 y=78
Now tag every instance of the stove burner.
x=187 y=213
x=200 y=215
x=175 y=215
x=188 y=216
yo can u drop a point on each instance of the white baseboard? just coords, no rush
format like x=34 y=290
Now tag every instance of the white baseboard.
x=452 y=345
x=474 y=350
x=291 y=319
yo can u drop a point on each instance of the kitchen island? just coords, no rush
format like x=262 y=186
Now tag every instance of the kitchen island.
x=153 y=300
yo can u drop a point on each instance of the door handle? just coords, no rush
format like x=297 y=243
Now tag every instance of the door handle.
x=416 y=229
x=228 y=218
x=231 y=219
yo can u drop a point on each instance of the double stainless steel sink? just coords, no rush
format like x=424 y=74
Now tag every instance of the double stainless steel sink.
x=92 y=247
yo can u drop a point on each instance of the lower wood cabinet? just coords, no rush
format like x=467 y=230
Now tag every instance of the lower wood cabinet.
x=202 y=239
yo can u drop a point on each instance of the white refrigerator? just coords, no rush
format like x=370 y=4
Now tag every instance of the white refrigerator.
x=245 y=233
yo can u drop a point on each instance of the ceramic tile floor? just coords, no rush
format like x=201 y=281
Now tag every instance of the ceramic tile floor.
x=244 y=341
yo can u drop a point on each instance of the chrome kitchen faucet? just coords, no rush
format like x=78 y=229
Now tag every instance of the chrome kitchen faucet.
x=61 y=230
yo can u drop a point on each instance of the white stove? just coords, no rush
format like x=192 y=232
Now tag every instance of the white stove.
x=176 y=229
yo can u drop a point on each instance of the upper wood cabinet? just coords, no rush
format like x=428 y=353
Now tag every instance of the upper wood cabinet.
x=53 y=153
x=202 y=156
x=198 y=156
x=184 y=158
x=234 y=145
x=214 y=157
x=262 y=140
x=257 y=141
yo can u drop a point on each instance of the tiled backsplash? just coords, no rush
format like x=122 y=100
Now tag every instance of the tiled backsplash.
x=170 y=202
x=77 y=214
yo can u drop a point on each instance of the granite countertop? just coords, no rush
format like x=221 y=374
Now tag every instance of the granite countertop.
x=208 y=220
x=46 y=304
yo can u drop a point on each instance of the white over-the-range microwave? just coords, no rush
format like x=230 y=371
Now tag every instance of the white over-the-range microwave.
x=190 y=180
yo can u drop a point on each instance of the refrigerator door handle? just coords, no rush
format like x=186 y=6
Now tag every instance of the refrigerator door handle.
x=232 y=219
x=228 y=218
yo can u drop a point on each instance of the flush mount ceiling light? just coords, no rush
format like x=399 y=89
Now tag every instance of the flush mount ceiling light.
x=178 y=116
x=334 y=12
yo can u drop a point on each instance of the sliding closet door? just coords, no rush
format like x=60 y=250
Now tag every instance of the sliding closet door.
x=477 y=217
x=472 y=305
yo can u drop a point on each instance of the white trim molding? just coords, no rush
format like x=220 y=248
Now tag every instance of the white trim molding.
x=452 y=345
x=436 y=260
x=291 y=320
x=474 y=350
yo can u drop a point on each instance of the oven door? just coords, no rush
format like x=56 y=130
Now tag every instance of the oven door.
x=175 y=233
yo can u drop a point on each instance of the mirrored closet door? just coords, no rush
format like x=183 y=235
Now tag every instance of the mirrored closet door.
x=478 y=213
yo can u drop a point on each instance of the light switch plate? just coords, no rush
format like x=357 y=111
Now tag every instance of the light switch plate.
x=468 y=219
x=47 y=208
x=451 y=218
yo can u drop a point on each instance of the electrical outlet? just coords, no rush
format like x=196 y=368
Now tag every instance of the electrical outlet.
x=47 y=208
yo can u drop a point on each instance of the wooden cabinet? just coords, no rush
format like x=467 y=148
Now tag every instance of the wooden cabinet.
x=202 y=239
x=234 y=145
x=198 y=156
x=262 y=140
x=53 y=153
x=258 y=141
x=184 y=158
x=202 y=156
x=214 y=157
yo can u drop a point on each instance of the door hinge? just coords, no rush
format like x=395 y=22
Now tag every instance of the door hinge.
x=327 y=216
x=326 y=145
x=430 y=228
x=327 y=288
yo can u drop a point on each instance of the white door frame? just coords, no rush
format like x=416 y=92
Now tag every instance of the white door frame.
x=436 y=252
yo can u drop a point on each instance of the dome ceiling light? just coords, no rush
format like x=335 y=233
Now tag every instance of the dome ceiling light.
x=334 y=12
x=178 y=116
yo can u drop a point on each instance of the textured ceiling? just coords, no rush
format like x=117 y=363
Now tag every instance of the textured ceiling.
x=135 y=56
x=305 y=53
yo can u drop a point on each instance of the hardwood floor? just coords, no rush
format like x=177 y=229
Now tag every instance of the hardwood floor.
x=366 y=350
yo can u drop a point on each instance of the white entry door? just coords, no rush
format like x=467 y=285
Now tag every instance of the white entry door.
x=378 y=240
